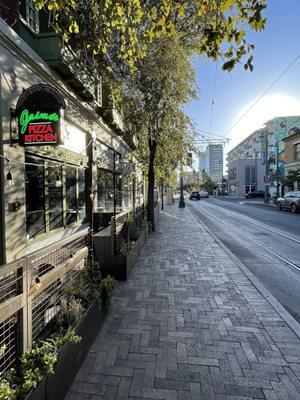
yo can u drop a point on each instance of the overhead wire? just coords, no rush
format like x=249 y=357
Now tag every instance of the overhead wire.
x=213 y=97
x=263 y=94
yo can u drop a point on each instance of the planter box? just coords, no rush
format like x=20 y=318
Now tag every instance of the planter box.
x=119 y=266
x=55 y=386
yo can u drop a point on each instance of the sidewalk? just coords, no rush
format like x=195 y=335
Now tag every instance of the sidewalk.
x=190 y=325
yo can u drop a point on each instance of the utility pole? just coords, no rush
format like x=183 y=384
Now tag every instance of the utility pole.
x=277 y=168
x=255 y=166
x=267 y=168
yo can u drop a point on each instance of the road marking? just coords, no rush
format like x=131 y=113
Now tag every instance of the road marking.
x=229 y=213
x=255 y=241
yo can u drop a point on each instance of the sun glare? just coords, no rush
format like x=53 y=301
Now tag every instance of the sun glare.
x=269 y=107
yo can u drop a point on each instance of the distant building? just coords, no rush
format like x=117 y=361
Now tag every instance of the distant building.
x=246 y=162
x=215 y=161
x=245 y=172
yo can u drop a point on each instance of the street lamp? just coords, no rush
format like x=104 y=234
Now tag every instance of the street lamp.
x=181 y=200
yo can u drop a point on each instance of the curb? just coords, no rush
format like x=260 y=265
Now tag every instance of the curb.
x=284 y=314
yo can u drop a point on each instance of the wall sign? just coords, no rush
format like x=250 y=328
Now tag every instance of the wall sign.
x=39 y=111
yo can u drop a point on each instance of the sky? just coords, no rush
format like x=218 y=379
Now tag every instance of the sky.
x=275 y=48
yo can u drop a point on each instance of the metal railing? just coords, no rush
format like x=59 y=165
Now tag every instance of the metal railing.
x=30 y=292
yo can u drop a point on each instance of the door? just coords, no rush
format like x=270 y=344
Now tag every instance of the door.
x=247 y=189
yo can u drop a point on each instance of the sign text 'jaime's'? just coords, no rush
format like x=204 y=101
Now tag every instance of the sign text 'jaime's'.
x=39 y=111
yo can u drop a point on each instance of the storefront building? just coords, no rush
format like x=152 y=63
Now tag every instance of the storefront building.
x=63 y=170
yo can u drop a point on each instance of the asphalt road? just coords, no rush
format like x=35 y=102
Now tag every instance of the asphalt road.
x=266 y=240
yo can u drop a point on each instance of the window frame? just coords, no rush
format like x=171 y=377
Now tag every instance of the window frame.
x=33 y=23
x=297 y=151
x=62 y=165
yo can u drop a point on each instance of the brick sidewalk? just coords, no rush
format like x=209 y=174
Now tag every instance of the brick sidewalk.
x=189 y=325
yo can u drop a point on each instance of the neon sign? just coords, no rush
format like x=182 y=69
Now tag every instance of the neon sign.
x=39 y=111
x=26 y=118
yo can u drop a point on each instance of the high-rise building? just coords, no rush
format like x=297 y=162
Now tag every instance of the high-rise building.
x=215 y=161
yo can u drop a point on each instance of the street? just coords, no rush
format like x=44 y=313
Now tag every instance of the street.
x=265 y=240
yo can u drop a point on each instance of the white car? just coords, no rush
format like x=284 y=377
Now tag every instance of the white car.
x=203 y=193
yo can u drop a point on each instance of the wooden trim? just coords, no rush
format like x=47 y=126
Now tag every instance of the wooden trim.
x=11 y=306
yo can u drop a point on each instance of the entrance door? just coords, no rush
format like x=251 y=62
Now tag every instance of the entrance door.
x=252 y=188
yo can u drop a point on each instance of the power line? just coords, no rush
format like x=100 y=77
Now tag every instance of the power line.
x=213 y=97
x=264 y=93
x=210 y=134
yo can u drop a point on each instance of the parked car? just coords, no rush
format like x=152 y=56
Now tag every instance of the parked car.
x=257 y=194
x=203 y=193
x=195 y=195
x=290 y=201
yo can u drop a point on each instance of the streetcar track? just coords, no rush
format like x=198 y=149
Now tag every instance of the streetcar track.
x=297 y=267
x=250 y=220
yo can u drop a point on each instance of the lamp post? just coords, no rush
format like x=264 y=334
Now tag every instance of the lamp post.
x=181 y=200
x=266 y=200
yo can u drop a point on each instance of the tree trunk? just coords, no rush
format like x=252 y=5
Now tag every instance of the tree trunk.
x=151 y=181
x=162 y=194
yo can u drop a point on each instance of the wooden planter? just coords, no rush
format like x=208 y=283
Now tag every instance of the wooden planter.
x=55 y=386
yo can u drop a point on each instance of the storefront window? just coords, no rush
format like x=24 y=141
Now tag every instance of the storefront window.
x=81 y=194
x=119 y=192
x=105 y=187
x=128 y=192
x=35 y=197
x=105 y=154
x=71 y=215
x=139 y=197
x=55 y=197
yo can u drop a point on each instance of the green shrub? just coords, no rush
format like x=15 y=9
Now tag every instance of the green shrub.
x=107 y=288
x=126 y=249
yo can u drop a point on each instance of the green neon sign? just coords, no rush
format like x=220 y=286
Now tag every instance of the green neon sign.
x=26 y=118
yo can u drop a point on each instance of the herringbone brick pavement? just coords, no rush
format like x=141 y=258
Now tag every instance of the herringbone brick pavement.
x=189 y=325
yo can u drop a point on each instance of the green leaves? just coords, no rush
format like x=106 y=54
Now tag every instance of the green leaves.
x=249 y=64
x=121 y=33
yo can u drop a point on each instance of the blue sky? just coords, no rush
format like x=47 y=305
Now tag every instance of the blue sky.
x=275 y=48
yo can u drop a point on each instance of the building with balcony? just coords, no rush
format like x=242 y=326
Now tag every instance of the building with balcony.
x=246 y=162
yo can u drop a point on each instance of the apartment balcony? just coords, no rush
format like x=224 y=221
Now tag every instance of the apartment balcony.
x=59 y=56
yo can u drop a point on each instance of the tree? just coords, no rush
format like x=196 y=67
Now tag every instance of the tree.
x=145 y=46
x=292 y=177
x=118 y=33
x=208 y=185
x=153 y=101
